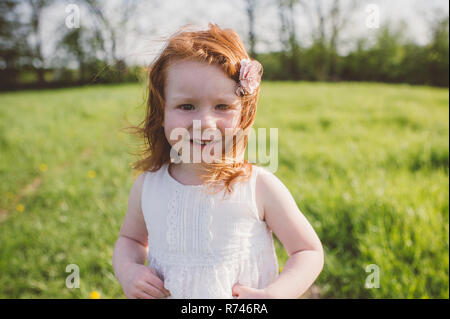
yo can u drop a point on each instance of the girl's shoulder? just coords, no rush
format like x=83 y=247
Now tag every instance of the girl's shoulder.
x=267 y=183
x=260 y=170
x=149 y=179
x=263 y=175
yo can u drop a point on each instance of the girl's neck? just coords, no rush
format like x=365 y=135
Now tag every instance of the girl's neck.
x=187 y=173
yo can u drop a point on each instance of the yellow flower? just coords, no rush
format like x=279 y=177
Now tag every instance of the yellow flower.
x=281 y=269
x=43 y=167
x=95 y=295
x=20 y=208
x=91 y=174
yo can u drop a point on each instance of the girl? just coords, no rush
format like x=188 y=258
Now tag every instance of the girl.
x=206 y=226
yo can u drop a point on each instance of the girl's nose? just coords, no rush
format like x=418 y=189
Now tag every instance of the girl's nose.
x=208 y=120
x=205 y=126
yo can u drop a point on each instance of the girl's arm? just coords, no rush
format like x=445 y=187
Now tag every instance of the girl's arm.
x=303 y=246
x=131 y=246
x=130 y=252
x=306 y=257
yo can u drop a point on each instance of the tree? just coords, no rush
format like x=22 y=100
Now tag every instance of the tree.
x=109 y=29
x=37 y=7
x=438 y=52
x=80 y=45
x=251 y=8
x=288 y=38
x=15 y=52
x=328 y=20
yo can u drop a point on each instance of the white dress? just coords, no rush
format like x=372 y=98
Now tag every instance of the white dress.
x=201 y=244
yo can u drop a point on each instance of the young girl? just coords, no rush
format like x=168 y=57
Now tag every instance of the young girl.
x=206 y=227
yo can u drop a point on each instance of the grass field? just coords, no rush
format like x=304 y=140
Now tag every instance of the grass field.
x=368 y=165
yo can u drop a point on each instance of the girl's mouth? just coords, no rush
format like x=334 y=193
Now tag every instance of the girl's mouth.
x=202 y=143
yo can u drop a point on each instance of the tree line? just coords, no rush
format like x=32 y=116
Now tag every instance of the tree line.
x=90 y=54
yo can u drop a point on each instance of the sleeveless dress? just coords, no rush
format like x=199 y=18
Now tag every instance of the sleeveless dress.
x=201 y=244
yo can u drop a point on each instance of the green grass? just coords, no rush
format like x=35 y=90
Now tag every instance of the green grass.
x=366 y=163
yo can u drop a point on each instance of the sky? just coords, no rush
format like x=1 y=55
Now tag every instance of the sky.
x=155 y=19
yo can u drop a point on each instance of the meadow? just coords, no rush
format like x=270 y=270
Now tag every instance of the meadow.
x=367 y=163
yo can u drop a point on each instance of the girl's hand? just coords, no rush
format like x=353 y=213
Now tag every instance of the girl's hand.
x=142 y=282
x=244 y=292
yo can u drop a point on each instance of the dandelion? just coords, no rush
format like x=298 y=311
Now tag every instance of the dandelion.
x=91 y=174
x=43 y=167
x=281 y=269
x=20 y=208
x=95 y=295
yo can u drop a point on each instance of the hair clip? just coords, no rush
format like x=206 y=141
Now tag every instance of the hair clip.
x=249 y=77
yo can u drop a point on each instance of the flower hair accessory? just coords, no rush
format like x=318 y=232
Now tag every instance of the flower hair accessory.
x=249 y=77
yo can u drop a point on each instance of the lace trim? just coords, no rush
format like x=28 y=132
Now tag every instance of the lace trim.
x=189 y=227
x=205 y=224
x=173 y=235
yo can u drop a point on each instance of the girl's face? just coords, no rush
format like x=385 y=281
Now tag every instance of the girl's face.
x=203 y=92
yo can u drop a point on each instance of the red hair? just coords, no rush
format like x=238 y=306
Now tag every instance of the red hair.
x=221 y=47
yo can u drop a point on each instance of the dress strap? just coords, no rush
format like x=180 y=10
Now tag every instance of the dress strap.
x=255 y=172
x=146 y=193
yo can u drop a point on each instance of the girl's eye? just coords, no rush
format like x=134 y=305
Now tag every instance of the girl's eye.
x=222 y=107
x=186 y=107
